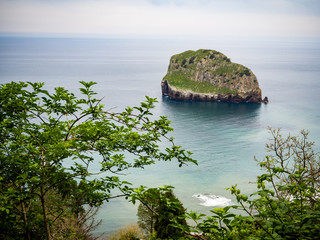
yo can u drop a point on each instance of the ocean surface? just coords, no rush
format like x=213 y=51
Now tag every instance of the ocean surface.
x=224 y=137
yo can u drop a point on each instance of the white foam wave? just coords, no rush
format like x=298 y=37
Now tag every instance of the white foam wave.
x=210 y=200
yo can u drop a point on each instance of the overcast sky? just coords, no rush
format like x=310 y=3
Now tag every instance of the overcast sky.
x=176 y=18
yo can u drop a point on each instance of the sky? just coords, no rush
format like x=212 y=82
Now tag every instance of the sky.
x=161 y=18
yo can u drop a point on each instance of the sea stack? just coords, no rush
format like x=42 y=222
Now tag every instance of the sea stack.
x=208 y=75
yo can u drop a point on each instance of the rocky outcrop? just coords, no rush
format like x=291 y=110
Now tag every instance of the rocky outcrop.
x=207 y=75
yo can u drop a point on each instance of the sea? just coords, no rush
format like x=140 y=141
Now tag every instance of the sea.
x=224 y=137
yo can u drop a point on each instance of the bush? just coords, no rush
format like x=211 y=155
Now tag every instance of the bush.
x=159 y=208
x=192 y=60
x=184 y=61
x=129 y=232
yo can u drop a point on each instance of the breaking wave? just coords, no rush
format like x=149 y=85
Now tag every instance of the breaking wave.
x=210 y=200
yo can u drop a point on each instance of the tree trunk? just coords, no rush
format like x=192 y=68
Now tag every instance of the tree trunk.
x=25 y=220
x=151 y=224
x=45 y=218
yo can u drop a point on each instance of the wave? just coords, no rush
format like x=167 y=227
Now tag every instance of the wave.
x=210 y=200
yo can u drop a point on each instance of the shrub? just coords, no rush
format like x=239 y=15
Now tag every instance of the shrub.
x=129 y=232
x=158 y=209
x=184 y=61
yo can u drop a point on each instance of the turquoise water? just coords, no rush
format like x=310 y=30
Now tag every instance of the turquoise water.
x=224 y=137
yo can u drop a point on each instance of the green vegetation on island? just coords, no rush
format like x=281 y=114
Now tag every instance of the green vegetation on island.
x=204 y=74
x=184 y=66
x=182 y=81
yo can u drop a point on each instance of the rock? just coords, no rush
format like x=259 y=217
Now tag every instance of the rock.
x=208 y=75
x=265 y=100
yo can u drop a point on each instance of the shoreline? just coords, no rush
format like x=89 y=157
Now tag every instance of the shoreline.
x=188 y=95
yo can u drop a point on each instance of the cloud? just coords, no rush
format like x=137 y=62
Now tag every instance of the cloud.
x=160 y=18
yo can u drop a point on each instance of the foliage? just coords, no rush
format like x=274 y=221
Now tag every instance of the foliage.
x=146 y=215
x=159 y=208
x=129 y=232
x=57 y=146
x=199 y=54
x=184 y=68
x=182 y=81
x=286 y=204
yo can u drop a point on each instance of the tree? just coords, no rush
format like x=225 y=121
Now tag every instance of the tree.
x=147 y=215
x=51 y=145
x=286 y=204
x=158 y=209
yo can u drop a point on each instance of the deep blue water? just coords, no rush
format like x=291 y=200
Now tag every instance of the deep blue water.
x=223 y=136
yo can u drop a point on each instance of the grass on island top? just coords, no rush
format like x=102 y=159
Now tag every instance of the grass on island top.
x=199 y=54
x=182 y=81
x=218 y=65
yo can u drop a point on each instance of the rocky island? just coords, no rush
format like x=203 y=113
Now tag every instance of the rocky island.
x=208 y=75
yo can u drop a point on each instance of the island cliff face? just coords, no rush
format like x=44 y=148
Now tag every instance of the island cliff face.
x=208 y=75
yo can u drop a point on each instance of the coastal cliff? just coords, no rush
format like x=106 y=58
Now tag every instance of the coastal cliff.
x=208 y=75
